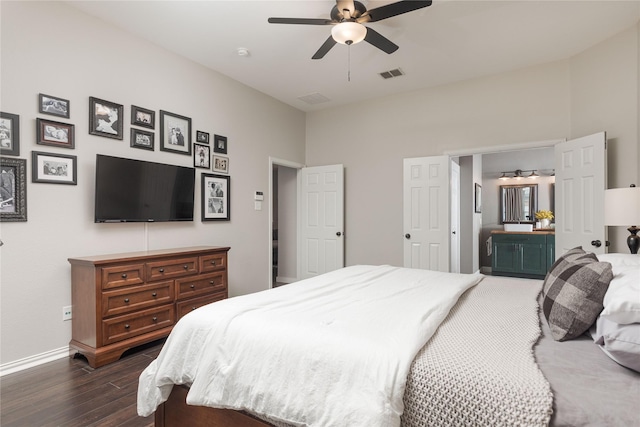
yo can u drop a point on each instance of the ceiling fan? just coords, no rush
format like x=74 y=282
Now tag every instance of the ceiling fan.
x=348 y=17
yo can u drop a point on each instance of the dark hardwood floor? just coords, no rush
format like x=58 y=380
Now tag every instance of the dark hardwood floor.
x=69 y=393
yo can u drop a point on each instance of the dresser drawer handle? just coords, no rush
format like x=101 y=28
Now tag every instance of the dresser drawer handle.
x=213 y=262
x=126 y=300
x=193 y=308
x=126 y=326
x=212 y=282
x=192 y=286
x=155 y=319
x=155 y=294
x=161 y=270
x=186 y=267
x=124 y=275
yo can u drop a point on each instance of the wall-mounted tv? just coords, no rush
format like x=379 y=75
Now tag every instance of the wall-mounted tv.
x=130 y=190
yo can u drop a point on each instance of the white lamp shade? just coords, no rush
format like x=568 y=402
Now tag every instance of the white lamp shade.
x=346 y=32
x=622 y=206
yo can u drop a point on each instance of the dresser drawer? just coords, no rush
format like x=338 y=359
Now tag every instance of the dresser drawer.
x=213 y=262
x=188 y=306
x=134 y=324
x=123 y=301
x=171 y=268
x=201 y=285
x=123 y=275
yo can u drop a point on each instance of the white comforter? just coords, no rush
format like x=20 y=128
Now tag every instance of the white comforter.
x=333 y=350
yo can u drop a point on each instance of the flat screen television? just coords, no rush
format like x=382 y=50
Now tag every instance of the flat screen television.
x=130 y=190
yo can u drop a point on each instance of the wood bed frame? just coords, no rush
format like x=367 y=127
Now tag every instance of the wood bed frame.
x=176 y=413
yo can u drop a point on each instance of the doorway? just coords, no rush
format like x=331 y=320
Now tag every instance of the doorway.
x=283 y=220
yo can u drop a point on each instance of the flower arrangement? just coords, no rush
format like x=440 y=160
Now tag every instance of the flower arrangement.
x=544 y=214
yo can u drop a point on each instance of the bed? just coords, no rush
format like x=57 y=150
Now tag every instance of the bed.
x=465 y=345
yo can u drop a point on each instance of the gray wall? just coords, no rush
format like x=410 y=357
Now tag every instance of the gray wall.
x=594 y=91
x=48 y=47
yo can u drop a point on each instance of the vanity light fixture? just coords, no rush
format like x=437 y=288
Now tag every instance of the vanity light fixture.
x=517 y=174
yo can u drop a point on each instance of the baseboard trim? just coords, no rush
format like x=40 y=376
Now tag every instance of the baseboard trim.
x=32 y=361
x=282 y=279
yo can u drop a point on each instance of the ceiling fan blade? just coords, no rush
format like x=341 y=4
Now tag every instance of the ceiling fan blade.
x=302 y=21
x=326 y=47
x=381 y=42
x=393 y=9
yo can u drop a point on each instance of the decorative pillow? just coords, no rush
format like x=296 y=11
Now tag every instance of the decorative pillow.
x=619 y=342
x=622 y=300
x=573 y=292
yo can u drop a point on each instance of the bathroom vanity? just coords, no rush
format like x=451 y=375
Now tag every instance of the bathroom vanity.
x=522 y=254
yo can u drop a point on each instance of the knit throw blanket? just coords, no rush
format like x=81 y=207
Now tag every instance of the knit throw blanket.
x=479 y=369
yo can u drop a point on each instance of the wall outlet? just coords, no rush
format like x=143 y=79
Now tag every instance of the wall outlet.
x=66 y=312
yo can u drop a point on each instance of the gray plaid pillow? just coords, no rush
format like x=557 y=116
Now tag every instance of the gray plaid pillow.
x=573 y=292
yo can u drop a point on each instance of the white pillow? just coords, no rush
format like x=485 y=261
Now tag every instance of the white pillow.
x=622 y=300
x=619 y=342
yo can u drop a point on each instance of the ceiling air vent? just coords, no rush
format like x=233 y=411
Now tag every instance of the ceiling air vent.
x=314 y=98
x=392 y=73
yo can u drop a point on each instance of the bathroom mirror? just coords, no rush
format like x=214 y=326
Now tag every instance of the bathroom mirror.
x=518 y=203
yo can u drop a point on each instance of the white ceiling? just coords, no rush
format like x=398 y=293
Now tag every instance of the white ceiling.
x=446 y=42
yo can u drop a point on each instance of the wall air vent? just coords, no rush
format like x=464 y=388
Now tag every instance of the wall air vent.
x=314 y=98
x=392 y=73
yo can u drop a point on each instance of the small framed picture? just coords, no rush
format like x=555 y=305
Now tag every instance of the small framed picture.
x=53 y=105
x=53 y=168
x=220 y=144
x=216 y=197
x=105 y=118
x=202 y=137
x=175 y=133
x=220 y=164
x=143 y=117
x=13 y=189
x=478 y=198
x=201 y=156
x=9 y=134
x=55 y=133
x=142 y=139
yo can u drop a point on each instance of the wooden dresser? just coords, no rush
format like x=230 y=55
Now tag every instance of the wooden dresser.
x=124 y=300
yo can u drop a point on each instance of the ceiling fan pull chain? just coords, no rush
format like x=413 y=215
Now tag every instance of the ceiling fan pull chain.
x=349 y=63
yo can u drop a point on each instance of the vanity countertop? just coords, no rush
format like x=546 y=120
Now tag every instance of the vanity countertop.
x=535 y=231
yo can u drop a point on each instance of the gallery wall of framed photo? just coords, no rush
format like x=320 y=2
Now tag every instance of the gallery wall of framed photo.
x=105 y=119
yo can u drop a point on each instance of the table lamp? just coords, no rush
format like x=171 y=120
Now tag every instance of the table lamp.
x=622 y=208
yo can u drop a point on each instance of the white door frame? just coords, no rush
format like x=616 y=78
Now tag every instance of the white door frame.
x=286 y=163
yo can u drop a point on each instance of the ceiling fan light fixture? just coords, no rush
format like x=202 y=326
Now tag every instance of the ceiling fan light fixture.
x=349 y=33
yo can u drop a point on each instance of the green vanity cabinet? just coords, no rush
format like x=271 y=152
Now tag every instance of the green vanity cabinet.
x=527 y=255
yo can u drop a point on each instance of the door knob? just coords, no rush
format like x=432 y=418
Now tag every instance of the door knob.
x=596 y=243
x=453 y=232
x=407 y=236
x=338 y=234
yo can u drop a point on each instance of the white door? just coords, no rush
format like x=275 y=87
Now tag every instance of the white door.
x=321 y=220
x=455 y=217
x=579 y=200
x=426 y=213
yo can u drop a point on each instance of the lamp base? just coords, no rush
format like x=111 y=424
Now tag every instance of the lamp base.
x=633 y=241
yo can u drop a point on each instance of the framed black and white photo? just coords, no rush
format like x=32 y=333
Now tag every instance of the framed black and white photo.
x=53 y=168
x=9 y=134
x=215 y=197
x=220 y=164
x=56 y=134
x=220 y=144
x=53 y=105
x=201 y=156
x=13 y=189
x=175 y=133
x=142 y=139
x=105 y=118
x=478 y=198
x=202 y=137
x=143 y=117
